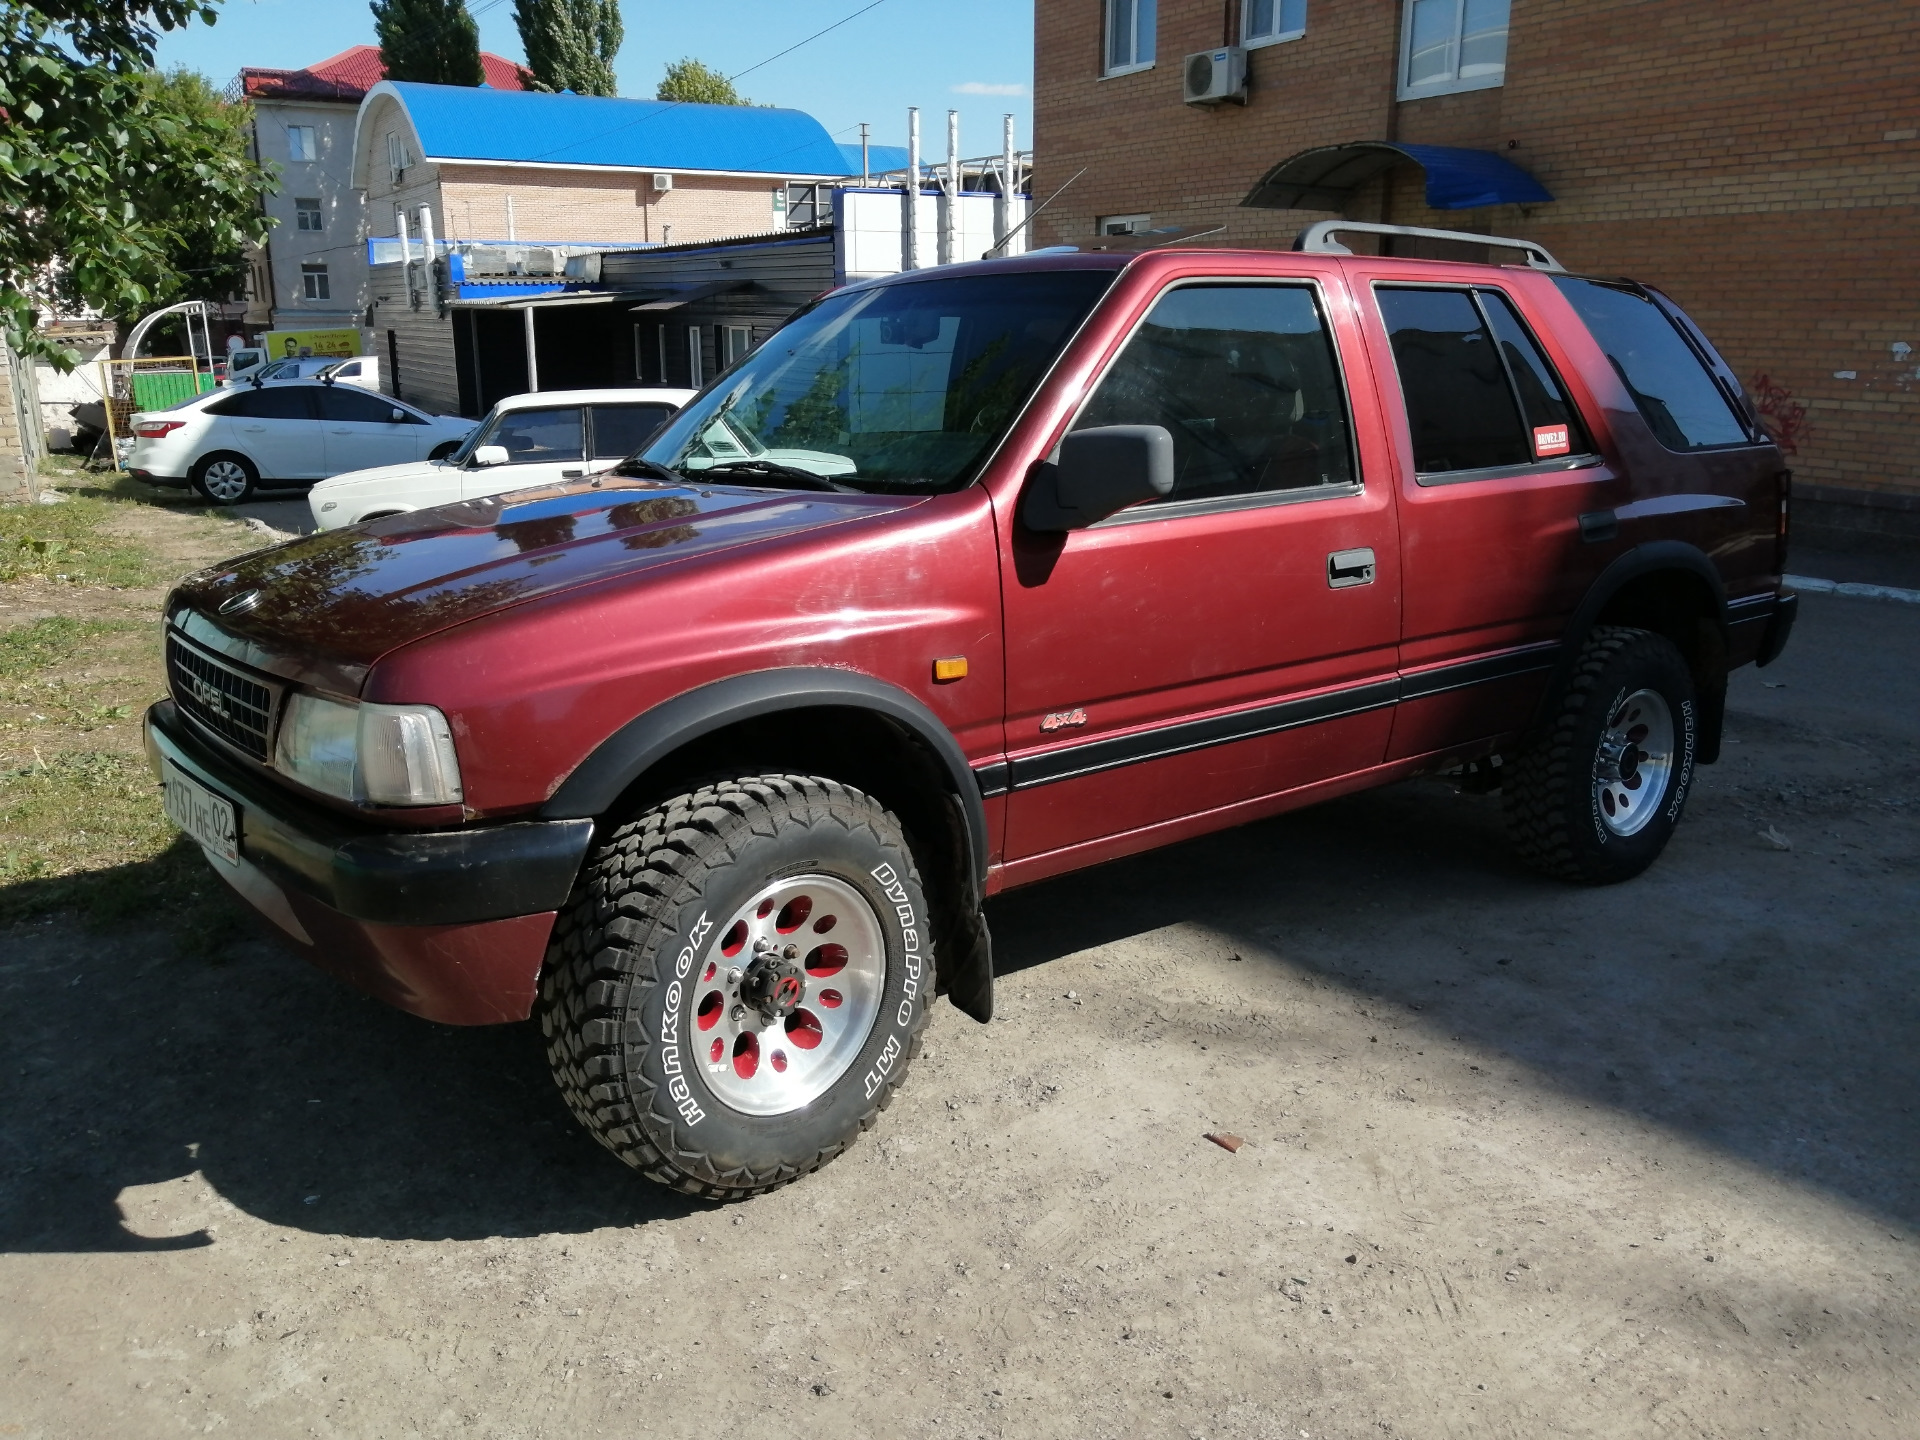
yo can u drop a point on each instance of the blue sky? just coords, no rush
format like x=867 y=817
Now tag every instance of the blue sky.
x=974 y=56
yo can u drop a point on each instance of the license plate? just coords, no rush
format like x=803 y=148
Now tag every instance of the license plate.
x=208 y=818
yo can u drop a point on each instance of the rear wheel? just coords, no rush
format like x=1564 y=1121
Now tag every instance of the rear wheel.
x=1597 y=796
x=225 y=478
x=738 y=982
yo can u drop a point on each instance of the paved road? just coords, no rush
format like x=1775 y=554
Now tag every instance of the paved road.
x=1522 y=1160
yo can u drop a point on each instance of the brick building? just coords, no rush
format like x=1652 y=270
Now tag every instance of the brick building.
x=1762 y=165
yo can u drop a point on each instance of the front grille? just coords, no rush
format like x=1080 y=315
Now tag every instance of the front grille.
x=220 y=699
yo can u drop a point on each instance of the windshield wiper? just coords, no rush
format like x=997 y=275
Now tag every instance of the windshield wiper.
x=637 y=469
x=798 y=479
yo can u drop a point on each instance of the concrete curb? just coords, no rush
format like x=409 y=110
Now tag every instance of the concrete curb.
x=1809 y=585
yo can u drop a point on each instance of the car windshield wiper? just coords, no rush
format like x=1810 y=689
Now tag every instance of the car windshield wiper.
x=637 y=469
x=798 y=479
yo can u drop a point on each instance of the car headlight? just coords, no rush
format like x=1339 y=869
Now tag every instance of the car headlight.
x=383 y=754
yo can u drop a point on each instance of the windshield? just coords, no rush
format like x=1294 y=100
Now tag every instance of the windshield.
x=903 y=387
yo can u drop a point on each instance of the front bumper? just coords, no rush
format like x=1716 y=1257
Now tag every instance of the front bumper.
x=450 y=925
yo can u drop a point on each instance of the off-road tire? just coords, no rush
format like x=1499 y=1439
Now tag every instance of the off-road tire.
x=1552 y=808
x=628 y=953
x=230 y=460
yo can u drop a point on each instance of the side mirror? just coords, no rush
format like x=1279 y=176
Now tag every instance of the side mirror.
x=491 y=455
x=397 y=415
x=1098 y=473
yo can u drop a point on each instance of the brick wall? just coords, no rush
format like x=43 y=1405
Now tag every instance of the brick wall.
x=1762 y=165
x=19 y=435
x=585 y=205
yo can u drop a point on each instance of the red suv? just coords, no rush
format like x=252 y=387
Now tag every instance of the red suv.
x=967 y=578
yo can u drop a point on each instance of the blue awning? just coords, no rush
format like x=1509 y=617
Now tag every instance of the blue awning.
x=1457 y=179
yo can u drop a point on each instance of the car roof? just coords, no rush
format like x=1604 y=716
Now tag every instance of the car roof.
x=629 y=394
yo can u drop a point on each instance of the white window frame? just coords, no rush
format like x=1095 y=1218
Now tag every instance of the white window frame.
x=736 y=343
x=695 y=348
x=1253 y=42
x=295 y=144
x=1135 y=224
x=311 y=273
x=1455 y=85
x=399 y=156
x=1106 y=37
x=317 y=211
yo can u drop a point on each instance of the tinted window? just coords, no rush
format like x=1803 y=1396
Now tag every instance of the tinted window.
x=1552 y=422
x=904 y=387
x=273 y=402
x=1460 y=407
x=535 y=436
x=619 y=430
x=1243 y=377
x=348 y=402
x=1681 y=403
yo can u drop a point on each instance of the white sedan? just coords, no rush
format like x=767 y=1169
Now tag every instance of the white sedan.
x=525 y=441
x=228 y=443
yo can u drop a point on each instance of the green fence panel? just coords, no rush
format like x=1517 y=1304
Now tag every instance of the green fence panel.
x=157 y=389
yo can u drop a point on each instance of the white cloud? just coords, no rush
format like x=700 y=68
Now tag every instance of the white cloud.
x=981 y=87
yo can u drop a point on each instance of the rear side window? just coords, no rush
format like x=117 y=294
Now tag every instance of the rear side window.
x=1244 y=379
x=1460 y=405
x=271 y=402
x=1676 y=394
x=619 y=430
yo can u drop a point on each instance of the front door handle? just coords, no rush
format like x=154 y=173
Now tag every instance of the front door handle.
x=1349 y=567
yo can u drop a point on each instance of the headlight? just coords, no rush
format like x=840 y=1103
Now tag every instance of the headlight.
x=384 y=754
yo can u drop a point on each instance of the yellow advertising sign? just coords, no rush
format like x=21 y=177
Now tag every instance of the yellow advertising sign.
x=286 y=344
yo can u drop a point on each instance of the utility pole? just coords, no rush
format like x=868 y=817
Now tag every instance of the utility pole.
x=1007 y=181
x=950 y=226
x=910 y=196
x=866 y=169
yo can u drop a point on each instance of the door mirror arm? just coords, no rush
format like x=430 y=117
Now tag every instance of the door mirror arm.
x=1096 y=473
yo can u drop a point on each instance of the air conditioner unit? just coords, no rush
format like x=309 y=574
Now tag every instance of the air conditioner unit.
x=663 y=182
x=1215 y=76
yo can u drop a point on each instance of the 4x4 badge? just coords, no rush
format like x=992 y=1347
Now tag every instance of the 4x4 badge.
x=1061 y=719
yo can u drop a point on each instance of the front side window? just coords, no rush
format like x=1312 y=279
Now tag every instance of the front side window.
x=302 y=143
x=1479 y=393
x=352 y=405
x=1130 y=35
x=534 y=437
x=1245 y=380
x=1682 y=403
x=313 y=282
x=904 y=388
x=619 y=430
x=1452 y=45
x=1265 y=21
x=306 y=212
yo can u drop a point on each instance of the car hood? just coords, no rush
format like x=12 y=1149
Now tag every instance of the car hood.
x=379 y=474
x=323 y=608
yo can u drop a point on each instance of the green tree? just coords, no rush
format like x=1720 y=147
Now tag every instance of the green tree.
x=570 y=44
x=109 y=175
x=435 y=41
x=695 y=83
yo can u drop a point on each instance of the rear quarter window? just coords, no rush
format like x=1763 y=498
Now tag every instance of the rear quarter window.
x=1671 y=385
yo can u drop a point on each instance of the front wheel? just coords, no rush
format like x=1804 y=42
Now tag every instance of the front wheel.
x=1596 y=797
x=739 y=982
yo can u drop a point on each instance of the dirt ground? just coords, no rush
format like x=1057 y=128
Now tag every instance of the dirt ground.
x=1520 y=1160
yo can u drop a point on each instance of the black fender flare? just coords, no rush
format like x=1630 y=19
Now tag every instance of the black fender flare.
x=598 y=781
x=1644 y=559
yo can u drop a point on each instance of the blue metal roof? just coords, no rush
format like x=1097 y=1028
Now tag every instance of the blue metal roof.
x=880 y=158
x=1457 y=179
x=458 y=122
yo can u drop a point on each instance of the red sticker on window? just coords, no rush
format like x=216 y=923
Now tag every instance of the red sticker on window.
x=1550 y=440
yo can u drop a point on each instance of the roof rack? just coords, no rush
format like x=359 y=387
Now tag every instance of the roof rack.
x=1318 y=239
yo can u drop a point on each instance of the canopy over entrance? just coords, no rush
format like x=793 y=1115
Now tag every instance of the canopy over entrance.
x=1457 y=179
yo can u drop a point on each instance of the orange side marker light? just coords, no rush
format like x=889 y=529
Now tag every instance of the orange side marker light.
x=953 y=667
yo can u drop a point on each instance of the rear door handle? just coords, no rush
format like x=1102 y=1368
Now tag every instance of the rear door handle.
x=1349 y=567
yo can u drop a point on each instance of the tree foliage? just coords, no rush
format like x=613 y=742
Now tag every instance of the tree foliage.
x=434 y=41
x=111 y=177
x=692 y=82
x=570 y=44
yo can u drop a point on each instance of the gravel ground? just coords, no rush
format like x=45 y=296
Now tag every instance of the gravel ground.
x=1520 y=1159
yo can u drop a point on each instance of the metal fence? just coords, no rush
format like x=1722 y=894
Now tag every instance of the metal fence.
x=150 y=383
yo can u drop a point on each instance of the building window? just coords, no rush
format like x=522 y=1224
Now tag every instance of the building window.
x=1123 y=225
x=399 y=157
x=313 y=282
x=1262 y=22
x=1452 y=45
x=302 y=143
x=694 y=357
x=306 y=213
x=1129 y=35
x=806 y=205
x=736 y=343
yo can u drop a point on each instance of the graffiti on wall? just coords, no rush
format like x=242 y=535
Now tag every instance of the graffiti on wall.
x=1784 y=417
